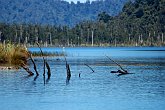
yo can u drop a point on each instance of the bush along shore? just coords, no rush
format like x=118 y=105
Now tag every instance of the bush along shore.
x=13 y=56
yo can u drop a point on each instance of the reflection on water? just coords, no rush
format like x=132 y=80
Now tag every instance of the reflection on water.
x=145 y=89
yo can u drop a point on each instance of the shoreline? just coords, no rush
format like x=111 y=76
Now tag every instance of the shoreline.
x=87 y=46
x=5 y=67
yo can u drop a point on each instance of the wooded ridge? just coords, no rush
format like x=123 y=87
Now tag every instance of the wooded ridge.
x=55 y=12
x=141 y=23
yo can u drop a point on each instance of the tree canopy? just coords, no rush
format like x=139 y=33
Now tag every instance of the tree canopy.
x=141 y=23
x=55 y=12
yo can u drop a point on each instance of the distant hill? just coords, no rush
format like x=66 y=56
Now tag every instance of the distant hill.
x=56 y=12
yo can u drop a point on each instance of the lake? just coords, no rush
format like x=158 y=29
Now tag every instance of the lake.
x=99 y=90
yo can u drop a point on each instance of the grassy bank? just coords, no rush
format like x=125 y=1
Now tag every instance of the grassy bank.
x=13 y=55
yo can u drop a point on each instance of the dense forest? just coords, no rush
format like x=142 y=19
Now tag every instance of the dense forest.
x=56 y=12
x=141 y=23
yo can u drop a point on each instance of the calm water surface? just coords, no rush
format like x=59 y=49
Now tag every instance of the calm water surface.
x=101 y=90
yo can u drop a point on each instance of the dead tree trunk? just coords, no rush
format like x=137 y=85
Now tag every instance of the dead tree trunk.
x=48 y=68
x=68 y=69
x=124 y=71
x=43 y=60
x=45 y=64
x=35 y=67
x=68 y=72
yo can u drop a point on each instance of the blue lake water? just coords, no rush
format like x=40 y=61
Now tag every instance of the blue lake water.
x=101 y=90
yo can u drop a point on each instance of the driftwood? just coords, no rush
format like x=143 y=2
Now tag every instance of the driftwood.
x=27 y=70
x=45 y=65
x=79 y=75
x=67 y=68
x=48 y=68
x=42 y=56
x=122 y=71
x=68 y=74
x=90 y=67
x=35 y=67
x=35 y=78
x=43 y=60
x=68 y=71
x=118 y=65
x=67 y=80
x=124 y=74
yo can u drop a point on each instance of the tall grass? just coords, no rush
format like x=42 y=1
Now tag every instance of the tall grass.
x=13 y=55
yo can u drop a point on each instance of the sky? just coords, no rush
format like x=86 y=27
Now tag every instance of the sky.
x=75 y=1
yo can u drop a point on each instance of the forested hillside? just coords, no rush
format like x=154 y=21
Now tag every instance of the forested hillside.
x=55 y=12
x=141 y=23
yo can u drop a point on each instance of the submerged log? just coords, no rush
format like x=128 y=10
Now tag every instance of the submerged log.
x=67 y=80
x=68 y=71
x=119 y=71
x=79 y=75
x=124 y=71
x=43 y=60
x=68 y=74
x=35 y=78
x=124 y=74
x=45 y=64
x=114 y=71
x=42 y=56
x=35 y=67
x=48 y=68
x=27 y=70
x=90 y=67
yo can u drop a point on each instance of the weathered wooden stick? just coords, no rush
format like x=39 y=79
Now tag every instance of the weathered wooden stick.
x=68 y=71
x=89 y=67
x=117 y=64
x=67 y=80
x=79 y=75
x=35 y=67
x=48 y=68
x=35 y=78
x=43 y=60
x=67 y=67
x=68 y=74
x=27 y=70
x=45 y=64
